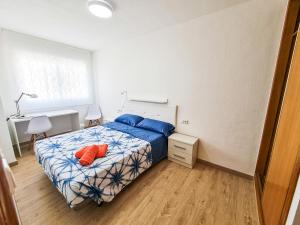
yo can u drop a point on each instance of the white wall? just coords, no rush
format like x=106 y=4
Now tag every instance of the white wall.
x=5 y=142
x=217 y=68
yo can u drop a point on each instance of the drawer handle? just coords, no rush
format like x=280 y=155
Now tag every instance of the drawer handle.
x=176 y=146
x=178 y=156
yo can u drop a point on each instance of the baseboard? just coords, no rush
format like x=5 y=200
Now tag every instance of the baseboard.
x=240 y=174
x=13 y=163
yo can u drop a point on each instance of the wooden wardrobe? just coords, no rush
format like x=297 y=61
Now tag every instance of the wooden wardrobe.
x=278 y=163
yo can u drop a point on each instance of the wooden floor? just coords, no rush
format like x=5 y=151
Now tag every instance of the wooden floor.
x=166 y=194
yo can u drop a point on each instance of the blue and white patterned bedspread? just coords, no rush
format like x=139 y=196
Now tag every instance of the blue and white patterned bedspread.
x=126 y=159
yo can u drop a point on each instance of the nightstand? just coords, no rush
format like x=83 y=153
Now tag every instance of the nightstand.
x=182 y=149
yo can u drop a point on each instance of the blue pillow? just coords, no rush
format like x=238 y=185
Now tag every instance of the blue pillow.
x=158 y=126
x=129 y=119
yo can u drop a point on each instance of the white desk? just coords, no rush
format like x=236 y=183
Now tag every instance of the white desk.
x=62 y=121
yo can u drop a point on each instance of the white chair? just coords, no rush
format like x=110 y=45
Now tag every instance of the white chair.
x=38 y=125
x=93 y=115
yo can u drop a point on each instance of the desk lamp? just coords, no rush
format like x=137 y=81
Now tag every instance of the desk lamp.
x=18 y=114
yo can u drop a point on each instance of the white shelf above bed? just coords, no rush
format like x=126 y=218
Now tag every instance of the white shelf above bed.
x=148 y=100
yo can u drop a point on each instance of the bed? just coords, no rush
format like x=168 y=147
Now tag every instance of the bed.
x=132 y=151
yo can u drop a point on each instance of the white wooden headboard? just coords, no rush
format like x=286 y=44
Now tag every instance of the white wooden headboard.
x=161 y=112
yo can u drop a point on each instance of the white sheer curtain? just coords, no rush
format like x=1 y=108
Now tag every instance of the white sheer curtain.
x=59 y=74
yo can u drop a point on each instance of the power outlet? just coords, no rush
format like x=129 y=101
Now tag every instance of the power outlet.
x=186 y=122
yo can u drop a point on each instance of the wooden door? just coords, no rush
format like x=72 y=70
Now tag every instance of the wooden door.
x=284 y=165
x=8 y=211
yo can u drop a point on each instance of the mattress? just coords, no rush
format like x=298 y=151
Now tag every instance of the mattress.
x=130 y=153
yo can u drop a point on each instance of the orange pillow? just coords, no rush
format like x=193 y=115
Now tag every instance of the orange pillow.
x=102 y=149
x=80 y=152
x=89 y=155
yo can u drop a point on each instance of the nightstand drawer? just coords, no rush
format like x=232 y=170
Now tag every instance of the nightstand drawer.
x=180 y=156
x=181 y=147
x=179 y=151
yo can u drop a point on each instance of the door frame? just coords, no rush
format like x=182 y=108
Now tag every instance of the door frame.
x=279 y=82
x=275 y=101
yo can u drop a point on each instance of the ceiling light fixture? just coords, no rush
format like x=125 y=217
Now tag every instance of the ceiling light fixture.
x=100 y=8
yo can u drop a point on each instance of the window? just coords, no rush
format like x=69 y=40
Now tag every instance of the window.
x=57 y=81
x=59 y=74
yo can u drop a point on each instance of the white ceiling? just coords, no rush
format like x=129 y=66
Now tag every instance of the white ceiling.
x=68 y=21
